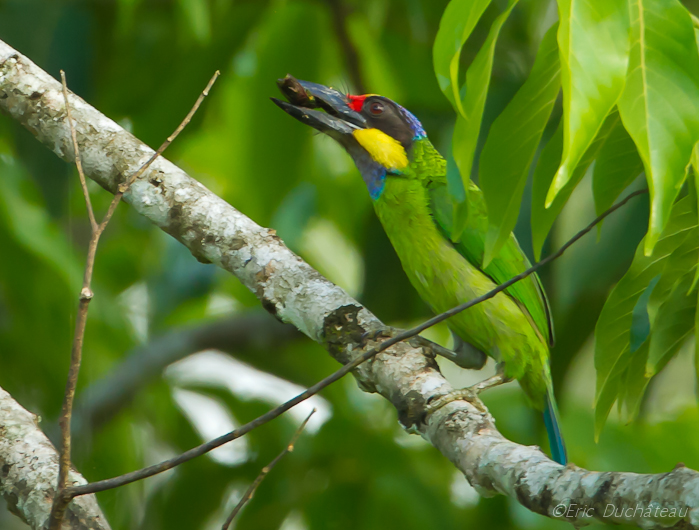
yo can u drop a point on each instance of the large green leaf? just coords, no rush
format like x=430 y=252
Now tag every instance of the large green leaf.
x=512 y=143
x=674 y=321
x=457 y=195
x=613 y=387
x=613 y=332
x=696 y=346
x=617 y=166
x=468 y=121
x=660 y=104
x=458 y=21
x=545 y=169
x=543 y=217
x=593 y=39
x=633 y=384
x=668 y=309
x=695 y=169
x=682 y=260
x=640 y=323
x=673 y=324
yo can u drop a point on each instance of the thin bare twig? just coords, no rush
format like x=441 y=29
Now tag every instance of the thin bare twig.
x=265 y=470
x=58 y=508
x=78 y=162
x=61 y=500
x=121 y=480
x=124 y=186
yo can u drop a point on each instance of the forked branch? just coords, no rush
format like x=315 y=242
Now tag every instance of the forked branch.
x=405 y=373
x=96 y=230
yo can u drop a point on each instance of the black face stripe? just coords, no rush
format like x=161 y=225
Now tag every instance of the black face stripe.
x=390 y=121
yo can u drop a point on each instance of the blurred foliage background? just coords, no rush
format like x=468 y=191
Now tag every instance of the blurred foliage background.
x=143 y=63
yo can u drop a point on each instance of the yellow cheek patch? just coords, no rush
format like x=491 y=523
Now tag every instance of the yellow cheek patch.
x=383 y=149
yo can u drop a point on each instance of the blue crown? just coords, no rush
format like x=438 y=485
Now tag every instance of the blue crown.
x=414 y=123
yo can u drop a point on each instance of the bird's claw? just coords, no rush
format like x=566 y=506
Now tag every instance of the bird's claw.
x=388 y=332
x=469 y=394
x=437 y=349
x=373 y=334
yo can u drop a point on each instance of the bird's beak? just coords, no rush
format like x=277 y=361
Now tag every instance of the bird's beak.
x=321 y=107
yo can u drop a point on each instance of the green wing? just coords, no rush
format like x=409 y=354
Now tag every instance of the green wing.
x=511 y=261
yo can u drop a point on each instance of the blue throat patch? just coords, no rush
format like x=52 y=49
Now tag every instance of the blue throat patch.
x=376 y=186
x=374 y=176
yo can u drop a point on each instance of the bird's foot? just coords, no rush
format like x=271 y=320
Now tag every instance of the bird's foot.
x=417 y=340
x=465 y=394
x=373 y=334
x=470 y=393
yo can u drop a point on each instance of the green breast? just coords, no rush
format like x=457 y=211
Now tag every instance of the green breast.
x=444 y=278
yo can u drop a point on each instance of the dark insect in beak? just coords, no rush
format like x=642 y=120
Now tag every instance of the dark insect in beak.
x=294 y=92
x=307 y=95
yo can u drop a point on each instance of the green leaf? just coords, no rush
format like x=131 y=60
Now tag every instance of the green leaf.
x=670 y=309
x=593 y=39
x=634 y=382
x=468 y=122
x=695 y=168
x=640 y=321
x=457 y=194
x=456 y=25
x=613 y=330
x=696 y=347
x=543 y=217
x=607 y=395
x=671 y=327
x=674 y=321
x=545 y=169
x=616 y=167
x=512 y=143
x=660 y=104
x=683 y=259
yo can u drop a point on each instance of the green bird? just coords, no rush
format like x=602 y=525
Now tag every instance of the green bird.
x=406 y=179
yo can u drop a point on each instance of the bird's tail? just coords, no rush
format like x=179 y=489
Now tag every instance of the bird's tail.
x=553 y=429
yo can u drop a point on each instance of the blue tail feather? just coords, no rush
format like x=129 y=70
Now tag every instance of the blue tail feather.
x=553 y=429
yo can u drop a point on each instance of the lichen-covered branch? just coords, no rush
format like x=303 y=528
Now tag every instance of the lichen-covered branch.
x=29 y=471
x=405 y=374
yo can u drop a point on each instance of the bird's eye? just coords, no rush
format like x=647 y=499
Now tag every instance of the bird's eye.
x=376 y=108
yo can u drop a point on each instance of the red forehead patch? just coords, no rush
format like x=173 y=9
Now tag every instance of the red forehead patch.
x=356 y=102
